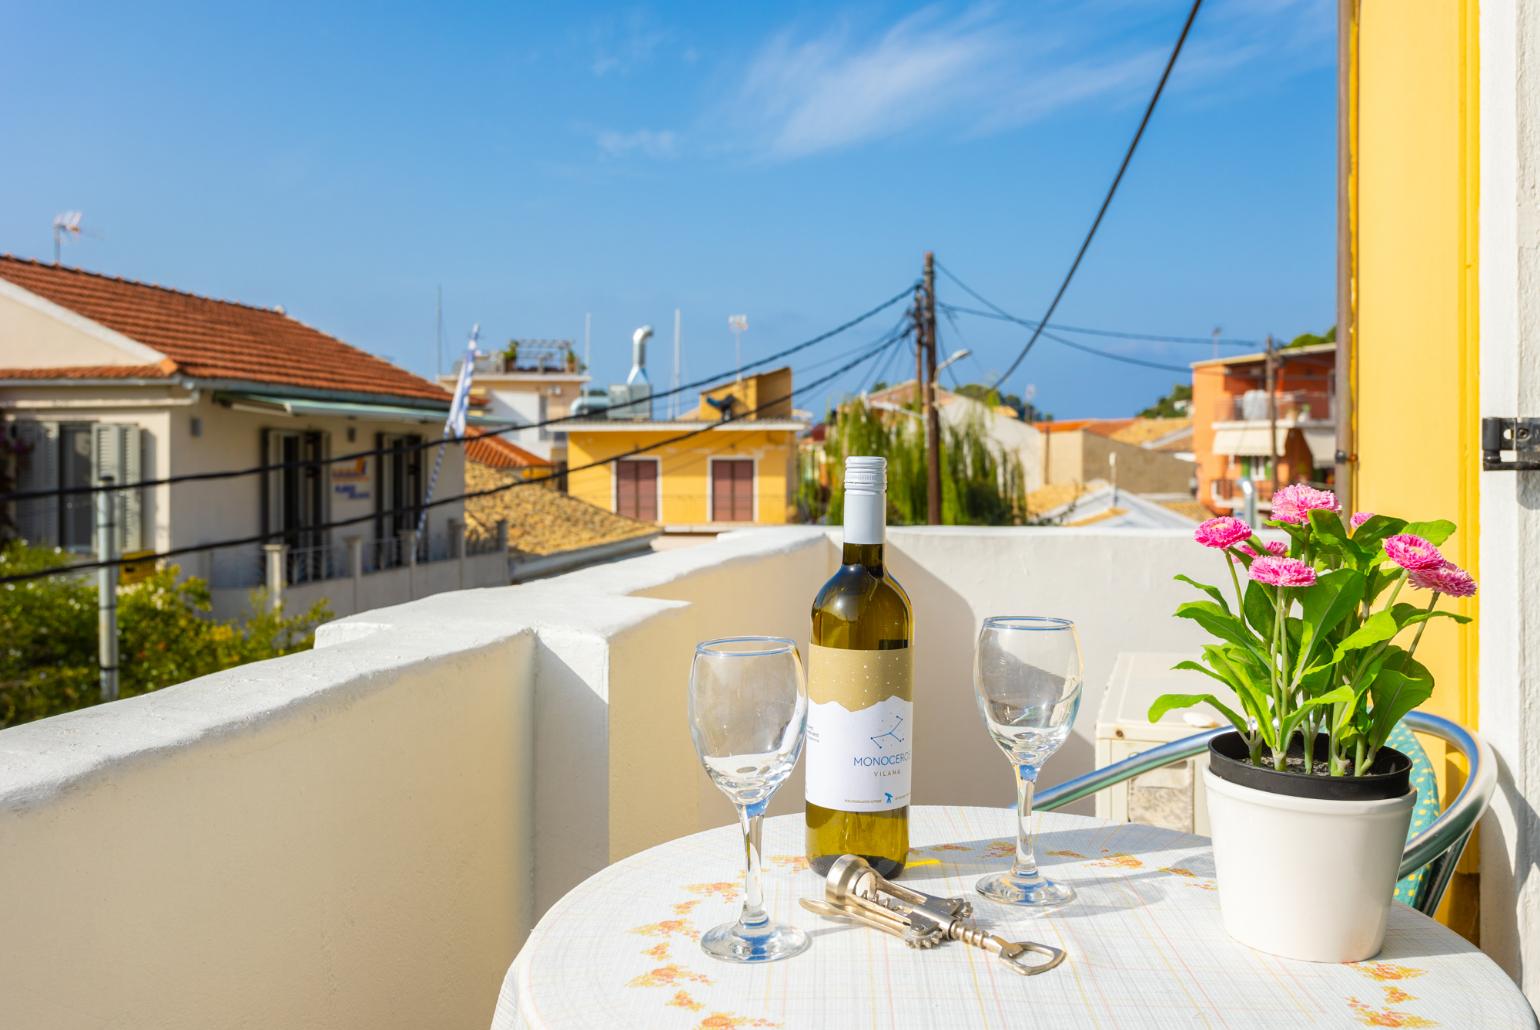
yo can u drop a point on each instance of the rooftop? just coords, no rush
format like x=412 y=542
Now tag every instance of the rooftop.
x=541 y=520
x=1282 y=352
x=204 y=338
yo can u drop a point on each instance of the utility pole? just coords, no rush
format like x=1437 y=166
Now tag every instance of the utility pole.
x=438 y=362
x=1216 y=342
x=588 y=324
x=107 y=590
x=919 y=350
x=932 y=419
x=1272 y=410
x=673 y=400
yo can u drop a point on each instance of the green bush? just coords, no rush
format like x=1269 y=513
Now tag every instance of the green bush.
x=48 y=645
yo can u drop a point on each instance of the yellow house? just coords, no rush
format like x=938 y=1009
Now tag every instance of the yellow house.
x=731 y=461
x=1437 y=331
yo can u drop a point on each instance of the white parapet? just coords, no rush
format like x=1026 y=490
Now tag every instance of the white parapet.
x=362 y=835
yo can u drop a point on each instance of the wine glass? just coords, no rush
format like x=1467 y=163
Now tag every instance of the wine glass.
x=748 y=715
x=1027 y=675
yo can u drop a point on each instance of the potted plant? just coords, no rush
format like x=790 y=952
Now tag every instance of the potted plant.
x=1307 y=806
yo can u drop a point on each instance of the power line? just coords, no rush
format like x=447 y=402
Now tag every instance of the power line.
x=176 y=552
x=1117 y=334
x=190 y=477
x=1109 y=355
x=1133 y=145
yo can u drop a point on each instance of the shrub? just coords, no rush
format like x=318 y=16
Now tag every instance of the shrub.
x=48 y=642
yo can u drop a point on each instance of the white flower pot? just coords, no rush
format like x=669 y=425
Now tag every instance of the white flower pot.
x=1304 y=877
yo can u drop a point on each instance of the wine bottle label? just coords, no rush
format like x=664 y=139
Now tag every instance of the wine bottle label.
x=860 y=728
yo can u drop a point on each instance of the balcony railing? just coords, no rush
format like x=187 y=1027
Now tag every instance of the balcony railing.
x=1293 y=406
x=537 y=356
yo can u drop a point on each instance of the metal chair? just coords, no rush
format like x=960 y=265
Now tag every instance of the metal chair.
x=1438 y=847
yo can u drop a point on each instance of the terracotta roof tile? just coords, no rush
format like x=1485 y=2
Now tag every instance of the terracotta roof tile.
x=500 y=453
x=159 y=371
x=217 y=339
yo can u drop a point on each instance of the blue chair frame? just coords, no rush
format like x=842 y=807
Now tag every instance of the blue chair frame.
x=1438 y=847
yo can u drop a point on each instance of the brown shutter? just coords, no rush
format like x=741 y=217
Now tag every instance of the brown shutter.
x=732 y=490
x=636 y=489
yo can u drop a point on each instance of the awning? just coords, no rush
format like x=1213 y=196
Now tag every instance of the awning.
x=1323 y=446
x=1247 y=440
x=301 y=406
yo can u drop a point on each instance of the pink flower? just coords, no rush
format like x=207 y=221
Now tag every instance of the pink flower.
x=1282 y=572
x=1222 y=532
x=1293 y=504
x=1276 y=548
x=1413 y=553
x=1359 y=518
x=1448 y=578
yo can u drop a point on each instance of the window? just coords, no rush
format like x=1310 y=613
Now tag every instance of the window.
x=732 y=489
x=64 y=455
x=398 y=495
x=295 y=501
x=636 y=488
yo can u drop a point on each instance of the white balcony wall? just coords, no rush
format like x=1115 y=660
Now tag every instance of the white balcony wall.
x=363 y=834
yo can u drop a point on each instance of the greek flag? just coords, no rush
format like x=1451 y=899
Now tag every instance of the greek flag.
x=455 y=425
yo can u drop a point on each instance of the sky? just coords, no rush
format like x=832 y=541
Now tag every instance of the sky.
x=791 y=162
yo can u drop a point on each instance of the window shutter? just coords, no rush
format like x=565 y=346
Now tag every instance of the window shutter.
x=37 y=520
x=131 y=510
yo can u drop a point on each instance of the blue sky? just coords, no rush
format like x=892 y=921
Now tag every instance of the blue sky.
x=789 y=161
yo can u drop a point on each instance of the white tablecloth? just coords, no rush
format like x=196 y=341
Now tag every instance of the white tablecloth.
x=1146 y=948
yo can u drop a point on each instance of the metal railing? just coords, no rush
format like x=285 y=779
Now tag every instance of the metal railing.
x=1438 y=847
x=1293 y=406
x=538 y=356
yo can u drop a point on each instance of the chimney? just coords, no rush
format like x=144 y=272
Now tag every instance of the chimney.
x=639 y=356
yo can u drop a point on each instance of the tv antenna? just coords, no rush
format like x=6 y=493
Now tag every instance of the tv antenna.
x=65 y=224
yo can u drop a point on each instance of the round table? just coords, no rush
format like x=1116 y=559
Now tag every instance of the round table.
x=1146 y=947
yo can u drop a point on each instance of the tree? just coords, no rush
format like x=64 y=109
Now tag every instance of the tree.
x=1311 y=339
x=979 y=484
x=1173 y=405
x=48 y=662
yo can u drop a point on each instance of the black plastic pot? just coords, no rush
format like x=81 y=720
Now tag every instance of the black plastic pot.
x=1390 y=775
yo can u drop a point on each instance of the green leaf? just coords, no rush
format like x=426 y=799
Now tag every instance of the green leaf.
x=1257 y=603
x=1379 y=627
x=1341 y=695
x=1218 y=621
x=1411 y=614
x=1395 y=693
x=1435 y=532
x=1333 y=598
x=1330 y=533
x=1214 y=592
x=1248 y=678
x=1371 y=535
x=1166 y=702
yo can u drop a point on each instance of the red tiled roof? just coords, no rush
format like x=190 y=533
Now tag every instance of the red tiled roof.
x=159 y=371
x=496 y=452
x=1099 y=426
x=213 y=339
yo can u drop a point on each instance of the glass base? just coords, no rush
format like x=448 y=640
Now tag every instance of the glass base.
x=770 y=943
x=1035 y=893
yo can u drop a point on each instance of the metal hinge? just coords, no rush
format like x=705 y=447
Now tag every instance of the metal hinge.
x=1521 y=436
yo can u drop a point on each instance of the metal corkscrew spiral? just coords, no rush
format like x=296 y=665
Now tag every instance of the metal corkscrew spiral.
x=854 y=891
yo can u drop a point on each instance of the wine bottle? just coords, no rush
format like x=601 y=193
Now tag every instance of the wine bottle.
x=860 y=722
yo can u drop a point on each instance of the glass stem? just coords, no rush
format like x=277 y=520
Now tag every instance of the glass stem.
x=1025 y=866
x=753 y=919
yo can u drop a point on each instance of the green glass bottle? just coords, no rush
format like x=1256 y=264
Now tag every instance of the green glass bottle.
x=860 y=724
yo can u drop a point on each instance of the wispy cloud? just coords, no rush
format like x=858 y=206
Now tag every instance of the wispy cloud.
x=652 y=143
x=623 y=44
x=979 y=71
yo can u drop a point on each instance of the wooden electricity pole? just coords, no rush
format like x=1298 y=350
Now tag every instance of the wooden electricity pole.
x=932 y=418
x=1271 y=375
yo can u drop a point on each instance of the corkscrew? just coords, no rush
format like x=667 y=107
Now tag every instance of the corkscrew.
x=854 y=891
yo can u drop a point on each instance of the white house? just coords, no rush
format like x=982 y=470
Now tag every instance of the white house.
x=103 y=376
x=526 y=384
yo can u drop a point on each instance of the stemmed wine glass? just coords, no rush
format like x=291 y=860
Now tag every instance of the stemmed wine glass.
x=1027 y=675
x=748 y=715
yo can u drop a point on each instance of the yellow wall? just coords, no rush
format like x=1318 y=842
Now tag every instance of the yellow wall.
x=1415 y=341
x=683 y=465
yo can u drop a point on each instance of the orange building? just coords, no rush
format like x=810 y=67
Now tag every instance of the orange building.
x=1230 y=423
